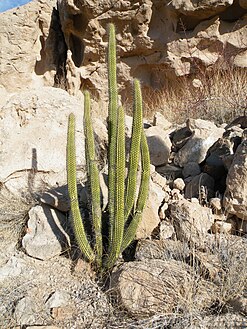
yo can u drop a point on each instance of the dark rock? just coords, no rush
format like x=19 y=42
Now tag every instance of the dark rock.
x=201 y=186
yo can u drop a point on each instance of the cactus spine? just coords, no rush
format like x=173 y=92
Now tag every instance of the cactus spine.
x=125 y=212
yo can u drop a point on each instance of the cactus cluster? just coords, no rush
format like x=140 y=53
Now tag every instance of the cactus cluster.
x=125 y=207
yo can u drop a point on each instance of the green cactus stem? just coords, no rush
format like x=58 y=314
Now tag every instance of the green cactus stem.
x=130 y=232
x=118 y=223
x=137 y=127
x=79 y=231
x=112 y=122
x=93 y=178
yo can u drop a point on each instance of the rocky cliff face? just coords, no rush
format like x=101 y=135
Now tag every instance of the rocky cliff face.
x=31 y=46
x=157 y=41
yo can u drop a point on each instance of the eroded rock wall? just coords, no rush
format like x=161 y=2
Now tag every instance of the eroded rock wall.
x=62 y=43
x=31 y=46
x=157 y=41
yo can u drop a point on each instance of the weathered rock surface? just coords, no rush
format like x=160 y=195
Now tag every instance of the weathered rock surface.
x=235 y=198
x=46 y=236
x=34 y=133
x=159 y=145
x=155 y=286
x=157 y=41
x=203 y=135
x=201 y=187
x=26 y=311
x=32 y=45
x=12 y=268
x=191 y=221
x=150 y=217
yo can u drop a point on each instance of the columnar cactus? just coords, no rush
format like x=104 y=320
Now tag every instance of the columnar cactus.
x=124 y=207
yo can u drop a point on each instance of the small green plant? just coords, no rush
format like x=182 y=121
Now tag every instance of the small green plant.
x=125 y=207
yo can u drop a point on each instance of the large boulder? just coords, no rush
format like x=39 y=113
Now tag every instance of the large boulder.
x=191 y=221
x=159 y=145
x=34 y=135
x=203 y=135
x=154 y=286
x=150 y=217
x=235 y=197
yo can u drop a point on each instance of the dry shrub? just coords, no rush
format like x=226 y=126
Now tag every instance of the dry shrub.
x=13 y=212
x=216 y=93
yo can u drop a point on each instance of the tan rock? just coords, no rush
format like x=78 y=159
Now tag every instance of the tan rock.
x=150 y=46
x=215 y=203
x=30 y=51
x=204 y=135
x=209 y=266
x=150 y=216
x=45 y=236
x=153 y=286
x=179 y=184
x=34 y=130
x=203 y=9
x=191 y=221
x=222 y=227
x=235 y=197
x=159 y=145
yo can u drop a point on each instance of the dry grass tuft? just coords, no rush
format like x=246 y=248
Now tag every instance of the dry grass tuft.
x=218 y=94
x=13 y=212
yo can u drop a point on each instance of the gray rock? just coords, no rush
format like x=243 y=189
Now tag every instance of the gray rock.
x=161 y=121
x=45 y=237
x=26 y=311
x=203 y=135
x=191 y=169
x=191 y=221
x=170 y=172
x=159 y=145
x=58 y=299
x=13 y=268
x=180 y=137
x=235 y=197
x=201 y=187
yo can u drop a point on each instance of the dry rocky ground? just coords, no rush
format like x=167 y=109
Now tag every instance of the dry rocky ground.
x=188 y=265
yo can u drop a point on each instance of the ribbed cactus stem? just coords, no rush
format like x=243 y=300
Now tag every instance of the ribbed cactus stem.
x=79 y=231
x=130 y=232
x=137 y=127
x=112 y=122
x=118 y=223
x=93 y=178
